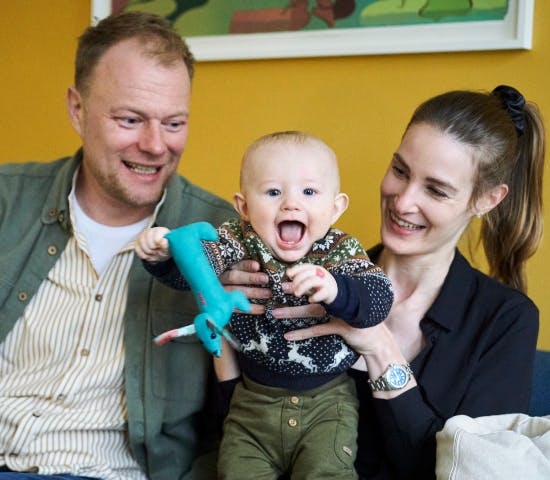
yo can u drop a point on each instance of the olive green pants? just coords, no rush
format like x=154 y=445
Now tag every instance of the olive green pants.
x=271 y=431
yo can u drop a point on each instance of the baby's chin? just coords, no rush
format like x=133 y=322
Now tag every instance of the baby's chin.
x=290 y=256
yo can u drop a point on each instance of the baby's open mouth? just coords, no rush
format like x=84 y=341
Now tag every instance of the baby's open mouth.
x=291 y=232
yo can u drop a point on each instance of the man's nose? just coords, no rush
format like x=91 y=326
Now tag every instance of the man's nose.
x=152 y=138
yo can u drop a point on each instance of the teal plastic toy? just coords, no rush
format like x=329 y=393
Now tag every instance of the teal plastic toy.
x=215 y=304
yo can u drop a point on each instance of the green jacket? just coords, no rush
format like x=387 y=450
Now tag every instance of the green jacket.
x=166 y=387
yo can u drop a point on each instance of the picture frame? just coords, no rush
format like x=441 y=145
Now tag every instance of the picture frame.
x=513 y=32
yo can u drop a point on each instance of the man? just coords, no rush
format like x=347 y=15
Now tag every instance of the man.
x=84 y=392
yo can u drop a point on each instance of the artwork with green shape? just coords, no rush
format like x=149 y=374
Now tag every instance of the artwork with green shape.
x=223 y=17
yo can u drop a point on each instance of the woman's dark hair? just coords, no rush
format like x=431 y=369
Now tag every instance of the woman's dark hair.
x=507 y=138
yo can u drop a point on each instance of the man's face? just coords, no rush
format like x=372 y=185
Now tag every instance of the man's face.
x=133 y=122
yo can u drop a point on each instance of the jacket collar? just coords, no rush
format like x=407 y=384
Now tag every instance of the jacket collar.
x=176 y=194
x=56 y=206
x=448 y=309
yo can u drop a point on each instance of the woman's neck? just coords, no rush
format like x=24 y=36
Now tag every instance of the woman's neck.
x=416 y=282
x=416 y=275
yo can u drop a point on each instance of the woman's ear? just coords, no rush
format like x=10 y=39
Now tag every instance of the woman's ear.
x=341 y=202
x=490 y=199
x=239 y=204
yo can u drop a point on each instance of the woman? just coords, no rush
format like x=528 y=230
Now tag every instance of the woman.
x=469 y=339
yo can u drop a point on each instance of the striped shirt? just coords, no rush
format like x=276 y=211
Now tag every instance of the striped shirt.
x=62 y=398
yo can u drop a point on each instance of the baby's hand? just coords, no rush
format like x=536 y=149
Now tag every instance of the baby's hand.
x=152 y=246
x=314 y=281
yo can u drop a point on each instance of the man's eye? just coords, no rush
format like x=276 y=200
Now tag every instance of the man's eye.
x=309 y=191
x=174 y=126
x=273 y=192
x=128 y=121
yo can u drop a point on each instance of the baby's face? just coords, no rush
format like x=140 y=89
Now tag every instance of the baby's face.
x=291 y=196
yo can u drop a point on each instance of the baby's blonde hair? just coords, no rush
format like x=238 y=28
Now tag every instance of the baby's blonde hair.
x=287 y=136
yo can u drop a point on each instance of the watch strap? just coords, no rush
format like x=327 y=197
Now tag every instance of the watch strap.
x=381 y=383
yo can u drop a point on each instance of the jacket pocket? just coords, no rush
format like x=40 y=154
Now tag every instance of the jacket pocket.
x=180 y=368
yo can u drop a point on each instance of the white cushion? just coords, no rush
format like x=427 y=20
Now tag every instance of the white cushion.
x=511 y=446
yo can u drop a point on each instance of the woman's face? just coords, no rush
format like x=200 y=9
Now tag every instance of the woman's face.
x=425 y=193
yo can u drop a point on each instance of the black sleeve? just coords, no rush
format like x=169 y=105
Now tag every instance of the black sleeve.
x=225 y=393
x=167 y=273
x=362 y=301
x=396 y=437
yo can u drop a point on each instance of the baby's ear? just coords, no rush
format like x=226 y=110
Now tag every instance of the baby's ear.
x=239 y=204
x=341 y=202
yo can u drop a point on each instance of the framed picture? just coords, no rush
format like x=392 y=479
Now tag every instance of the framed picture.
x=253 y=29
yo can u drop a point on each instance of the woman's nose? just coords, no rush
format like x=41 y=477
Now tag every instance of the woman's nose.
x=406 y=199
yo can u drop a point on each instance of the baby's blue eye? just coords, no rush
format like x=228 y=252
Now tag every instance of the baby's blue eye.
x=273 y=192
x=309 y=191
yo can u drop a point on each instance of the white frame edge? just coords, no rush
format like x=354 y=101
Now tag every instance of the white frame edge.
x=514 y=32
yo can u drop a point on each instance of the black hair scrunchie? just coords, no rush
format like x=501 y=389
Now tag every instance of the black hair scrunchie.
x=514 y=102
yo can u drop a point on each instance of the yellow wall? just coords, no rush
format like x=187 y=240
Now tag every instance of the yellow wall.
x=359 y=105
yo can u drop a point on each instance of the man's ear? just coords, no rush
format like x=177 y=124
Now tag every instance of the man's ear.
x=490 y=199
x=75 y=108
x=341 y=202
x=239 y=203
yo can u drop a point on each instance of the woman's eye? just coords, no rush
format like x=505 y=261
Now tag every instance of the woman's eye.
x=437 y=193
x=398 y=171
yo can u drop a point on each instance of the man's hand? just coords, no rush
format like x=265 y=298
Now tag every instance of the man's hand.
x=246 y=277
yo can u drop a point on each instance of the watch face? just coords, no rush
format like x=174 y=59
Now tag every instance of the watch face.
x=397 y=376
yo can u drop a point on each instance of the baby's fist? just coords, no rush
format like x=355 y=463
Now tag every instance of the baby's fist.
x=152 y=246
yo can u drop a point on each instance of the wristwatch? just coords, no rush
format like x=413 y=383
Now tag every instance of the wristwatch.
x=395 y=377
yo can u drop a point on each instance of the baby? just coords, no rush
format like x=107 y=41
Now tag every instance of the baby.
x=295 y=406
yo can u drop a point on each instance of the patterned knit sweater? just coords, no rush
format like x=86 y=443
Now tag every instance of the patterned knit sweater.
x=364 y=299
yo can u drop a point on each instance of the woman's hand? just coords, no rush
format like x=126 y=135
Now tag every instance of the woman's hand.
x=376 y=345
x=365 y=341
x=311 y=310
x=226 y=366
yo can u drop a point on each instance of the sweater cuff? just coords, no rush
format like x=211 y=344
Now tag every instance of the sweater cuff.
x=346 y=304
x=159 y=269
